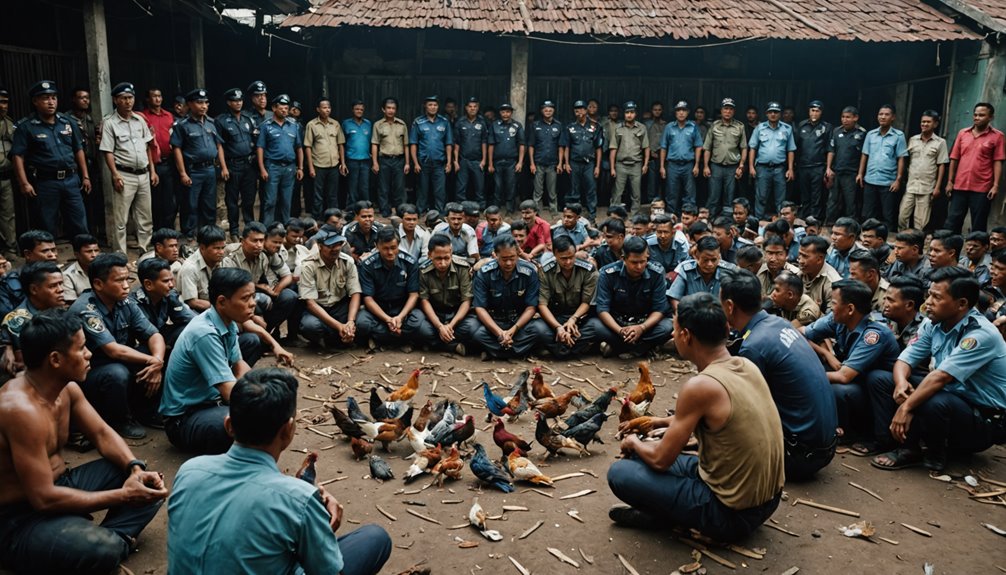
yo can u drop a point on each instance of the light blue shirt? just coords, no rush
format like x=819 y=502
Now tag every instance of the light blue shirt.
x=772 y=145
x=680 y=143
x=689 y=280
x=201 y=360
x=972 y=352
x=883 y=151
x=431 y=138
x=236 y=513
x=357 y=138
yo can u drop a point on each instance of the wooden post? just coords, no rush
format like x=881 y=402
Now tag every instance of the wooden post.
x=96 y=36
x=198 y=61
x=518 y=77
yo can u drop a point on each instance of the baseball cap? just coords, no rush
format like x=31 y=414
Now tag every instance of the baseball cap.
x=330 y=238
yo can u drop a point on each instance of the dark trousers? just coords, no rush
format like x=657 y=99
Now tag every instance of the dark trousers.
x=365 y=550
x=811 y=182
x=852 y=401
x=34 y=542
x=962 y=202
x=112 y=389
x=679 y=498
x=803 y=462
x=523 y=341
x=432 y=182
x=471 y=182
x=359 y=180
x=162 y=197
x=722 y=185
x=881 y=203
x=251 y=348
x=53 y=195
x=239 y=190
x=463 y=331
x=654 y=337
x=202 y=199
x=842 y=197
x=369 y=326
x=770 y=189
x=680 y=185
x=654 y=188
x=275 y=310
x=277 y=192
x=314 y=330
x=546 y=335
x=201 y=431
x=583 y=187
x=391 y=179
x=506 y=184
x=326 y=191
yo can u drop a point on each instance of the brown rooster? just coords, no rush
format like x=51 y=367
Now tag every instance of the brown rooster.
x=644 y=392
x=407 y=391
x=552 y=441
x=631 y=411
x=502 y=437
x=540 y=389
x=450 y=467
x=361 y=448
x=556 y=406
x=307 y=471
x=638 y=426
x=424 y=416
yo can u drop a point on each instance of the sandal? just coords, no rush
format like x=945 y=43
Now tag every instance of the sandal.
x=865 y=449
x=901 y=458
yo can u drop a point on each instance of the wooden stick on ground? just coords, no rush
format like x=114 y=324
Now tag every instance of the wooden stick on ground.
x=423 y=517
x=626 y=564
x=824 y=507
x=531 y=530
x=320 y=432
x=777 y=528
x=386 y=514
x=867 y=491
x=917 y=530
x=520 y=567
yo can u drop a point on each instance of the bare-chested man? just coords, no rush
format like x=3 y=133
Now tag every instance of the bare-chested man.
x=45 y=526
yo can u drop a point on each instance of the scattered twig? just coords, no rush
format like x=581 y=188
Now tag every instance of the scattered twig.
x=705 y=551
x=577 y=494
x=539 y=492
x=856 y=469
x=320 y=432
x=423 y=517
x=562 y=557
x=385 y=513
x=520 y=567
x=777 y=528
x=567 y=476
x=626 y=564
x=791 y=571
x=587 y=558
x=333 y=480
x=886 y=540
x=869 y=492
x=531 y=530
x=917 y=530
x=824 y=507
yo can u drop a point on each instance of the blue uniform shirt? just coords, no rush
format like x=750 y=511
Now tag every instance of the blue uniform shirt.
x=236 y=134
x=14 y=322
x=772 y=145
x=11 y=291
x=470 y=136
x=170 y=309
x=124 y=324
x=504 y=299
x=488 y=238
x=626 y=298
x=506 y=139
x=357 y=138
x=883 y=151
x=47 y=146
x=868 y=347
x=431 y=138
x=840 y=261
x=972 y=352
x=676 y=253
x=247 y=517
x=544 y=138
x=201 y=360
x=689 y=280
x=799 y=385
x=680 y=143
x=197 y=139
x=578 y=235
x=583 y=141
x=389 y=285
x=279 y=143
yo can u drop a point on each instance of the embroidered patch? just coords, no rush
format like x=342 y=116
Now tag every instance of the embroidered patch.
x=871 y=337
x=94 y=324
x=16 y=319
x=969 y=343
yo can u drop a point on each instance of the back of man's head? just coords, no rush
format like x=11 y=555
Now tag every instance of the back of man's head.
x=262 y=402
x=48 y=331
x=743 y=288
x=704 y=319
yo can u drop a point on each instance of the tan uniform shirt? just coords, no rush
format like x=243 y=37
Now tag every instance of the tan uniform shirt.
x=328 y=285
x=562 y=295
x=654 y=132
x=257 y=267
x=878 y=296
x=6 y=142
x=176 y=266
x=924 y=162
x=819 y=288
x=194 y=278
x=324 y=139
x=75 y=282
x=630 y=141
x=446 y=293
x=768 y=280
x=127 y=139
x=725 y=141
x=392 y=138
x=806 y=312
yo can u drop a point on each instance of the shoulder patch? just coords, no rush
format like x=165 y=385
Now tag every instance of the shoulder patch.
x=370 y=259
x=969 y=343
x=655 y=267
x=342 y=256
x=584 y=264
x=425 y=265
x=549 y=265
x=490 y=266
x=460 y=261
x=16 y=319
x=525 y=268
x=610 y=268
x=94 y=324
x=871 y=337
x=405 y=257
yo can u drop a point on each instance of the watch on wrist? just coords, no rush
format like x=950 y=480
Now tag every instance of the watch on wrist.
x=136 y=462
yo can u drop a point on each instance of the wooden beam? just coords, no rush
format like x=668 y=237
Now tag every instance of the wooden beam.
x=96 y=35
x=198 y=57
x=519 y=48
x=975 y=14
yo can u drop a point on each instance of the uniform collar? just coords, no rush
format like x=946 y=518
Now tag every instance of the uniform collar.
x=757 y=318
x=243 y=454
x=961 y=324
x=218 y=322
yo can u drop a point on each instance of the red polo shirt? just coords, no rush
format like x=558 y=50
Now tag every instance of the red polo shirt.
x=160 y=125
x=975 y=158
x=540 y=233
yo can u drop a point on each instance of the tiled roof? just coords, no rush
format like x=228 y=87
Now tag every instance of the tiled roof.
x=988 y=13
x=866 y=20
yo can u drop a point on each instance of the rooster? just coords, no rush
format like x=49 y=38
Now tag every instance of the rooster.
x=587 y=431
x=540 y=389
x=388 y=430
x=307 y=471
x=523 y=470
x=494 y=403
x=489 y=472
x=461 y=431
x=407 y=391
x=381 y=409
x=599 y=405
x=644 y=392
x=424 y=416
x=502 y=437
x=449 y=467
x=552 y=441
x=636 y=426
x=349 y=427
x=516 y=402
x=631 y=410
x=446 y=420
x=354 y=411
x=361 y=448
x=556 y=406
x=417 y=439
x=423 y=463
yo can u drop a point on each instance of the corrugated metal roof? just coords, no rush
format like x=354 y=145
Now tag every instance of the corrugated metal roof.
x=865 y=20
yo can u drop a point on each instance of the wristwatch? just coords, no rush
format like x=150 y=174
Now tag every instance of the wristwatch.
x=141 y=463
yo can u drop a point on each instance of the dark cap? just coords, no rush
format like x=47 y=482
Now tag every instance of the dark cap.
x=330 y=238
x=630 y=105
x=256 y=87
x=681 y=105
x=233 y=95
x=816 y=104
x=43 y=87
x=295 y=104
x=432 y=98
x=728 y=103
x=180 y=99
x=505 y=106
x=850 y=110
x=773 y=107
x=282 y=100
x=470 y=208
x=123 y=88
x=548 y=104
x=472 y=100
x=197 y=95
x=579 y=104
x=4 y=93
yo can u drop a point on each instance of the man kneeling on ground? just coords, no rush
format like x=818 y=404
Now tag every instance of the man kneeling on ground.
x=45 y=526
x=263 y=521
x=736 y=481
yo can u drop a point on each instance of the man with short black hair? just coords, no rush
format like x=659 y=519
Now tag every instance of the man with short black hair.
x=927 y=158
x=166 y=246
x=726 y=152
x=75 y=279
x=33 y=246
x=359 y=131
x=505 y=295
x=567 y=286
x=817 y=274
x=329 y=286
x=389 y=285
x=882 y=167
x=413 y=239
x=702 y=274
x=874 y=238
x=197 y=144
x=812 y=137
x=775 y=263
x=790 y=303
x=431 y=142
x=445 y=297
x=945 y=250
x=667 y=246
x=43 y=284
x=610 y=251
x=361 y=233
x=471 y=144
x=490 y=229
x=463 y=240
x=580 y=151
x=909 y=247
x=844 y=244
x=155 y=295
x=976 y=164
x=272 y=304
x=726 y=234
x=842 y=164
x=976 y=257
x=863 y=267
x=389 y=152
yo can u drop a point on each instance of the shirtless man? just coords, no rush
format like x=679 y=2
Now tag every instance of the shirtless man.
x=45 y=526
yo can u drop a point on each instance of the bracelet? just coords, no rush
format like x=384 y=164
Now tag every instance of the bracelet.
x=136 y=462
x=86 y=178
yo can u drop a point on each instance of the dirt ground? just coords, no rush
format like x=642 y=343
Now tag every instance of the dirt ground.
x=958 y=542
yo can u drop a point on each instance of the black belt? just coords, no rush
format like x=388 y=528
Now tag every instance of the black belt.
x=681 y=162
x=8 y=175
x=43 y=174
x=200 y=165
x=767 y=165
x=134 y=171
x=240 y=159
x=728 y=164
x=281 y=162
x=391 y=156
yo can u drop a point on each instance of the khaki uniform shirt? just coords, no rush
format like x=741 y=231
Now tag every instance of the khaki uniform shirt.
x=324 y=139
x=630 y=141
x=75 y=282
x=328 y=285
x=447 y=293
x=6 y=142
x=768 y=280
x=819 y=288
x=561 y=295
x=194 y=278
x=806 y=312
x=725 y=141
x=176 y=266
x=878 y=296
x=392 y=138
x=127 y=139
x=654 y=132
x=256 y=267
x=924 y=162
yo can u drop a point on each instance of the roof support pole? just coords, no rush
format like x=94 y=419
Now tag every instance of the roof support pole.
x=96 y=37
x=518 y=77
x=198 y=59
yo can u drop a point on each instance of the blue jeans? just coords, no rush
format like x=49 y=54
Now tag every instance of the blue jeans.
x=583 y=187
x=53 y=194
x=588 y=337
x=463 y=331
x=326 y=190
x=240 y=189
x=679 y=498
x=770 y=189
x=359 y=180
x=278 y=192
x=722 y=184
x=471 y=182
x=680 y=182
x=365 y=550
x=35 y=542
x=506 y=184
x=202 y=199
x=200 y=431
x=432 y=181
x=392 y=181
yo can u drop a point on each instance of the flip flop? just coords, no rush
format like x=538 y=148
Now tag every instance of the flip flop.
x=901 y=458
x=865 y=448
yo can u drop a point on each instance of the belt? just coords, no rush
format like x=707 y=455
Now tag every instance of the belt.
x=628 y=163
x=681 y=162
x=43 y=174
x=391 y=156
x=767 y=165
x=8 y=175
x=134 y=171
x=200 y=165
x=281 y=162
x=240 y=160
x=584 y=160
x=729 y=164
